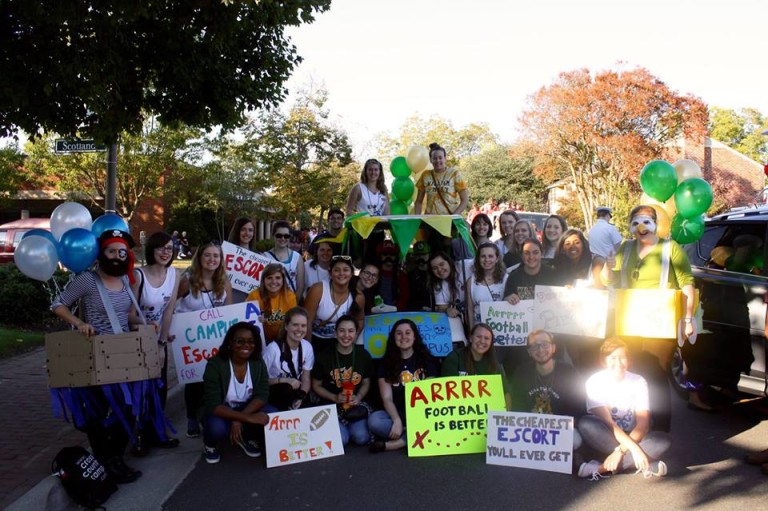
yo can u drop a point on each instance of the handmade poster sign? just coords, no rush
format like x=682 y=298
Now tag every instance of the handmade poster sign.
x=434 y=327
x=530 y=440
x=666 y=307
x=243 y=267
x=200 y=333
x=511 y=324
x=302 y=435
x=448 y=415
x=573 y=311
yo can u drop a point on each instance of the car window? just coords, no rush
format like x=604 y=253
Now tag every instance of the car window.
x=3 y=234
x=734 y=246
x=17 y=236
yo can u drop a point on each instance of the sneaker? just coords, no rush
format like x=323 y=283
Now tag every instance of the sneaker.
x=193 y=428
x=591 y=470
x=211 y=454
x=655 y=469
x=250 y=448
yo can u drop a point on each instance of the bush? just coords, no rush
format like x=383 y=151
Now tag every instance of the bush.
x=25 y=302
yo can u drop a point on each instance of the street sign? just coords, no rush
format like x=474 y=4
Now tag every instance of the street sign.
x=79 y=146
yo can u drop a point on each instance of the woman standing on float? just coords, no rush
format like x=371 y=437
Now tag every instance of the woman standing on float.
x=370 y=195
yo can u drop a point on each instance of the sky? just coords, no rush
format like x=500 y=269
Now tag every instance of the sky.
x=477 y=61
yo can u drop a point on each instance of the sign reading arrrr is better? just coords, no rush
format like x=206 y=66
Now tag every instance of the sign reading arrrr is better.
x=530 y=440
x=302 y=435
x=243 y=267
x=511 y=324
x=199 y=334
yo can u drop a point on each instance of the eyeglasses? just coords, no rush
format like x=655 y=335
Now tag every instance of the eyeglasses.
x=341 y=258
x=368 y=274
x=539 y=346
x=282 y=236
x=164 y=249
x=243 y=342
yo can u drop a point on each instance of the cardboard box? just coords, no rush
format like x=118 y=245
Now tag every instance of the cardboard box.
x=75 y=360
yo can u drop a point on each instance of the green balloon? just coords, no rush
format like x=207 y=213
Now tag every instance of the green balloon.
x=687 y=230
x=399 y=167
x=658 y=179
x=693 y=197
x=402 y=188
x=397 y=207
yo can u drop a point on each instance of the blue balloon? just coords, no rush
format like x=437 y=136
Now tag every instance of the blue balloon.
x=109 y=222
x=41 y=232
x=78 y=249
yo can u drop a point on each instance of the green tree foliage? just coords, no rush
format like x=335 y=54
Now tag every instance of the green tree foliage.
x=11 y=171
x=95 y=67
x=300 y=158
x=600 y=128
x=496 y=172
x=459 y=143
x=146 y=161
x=741 y=130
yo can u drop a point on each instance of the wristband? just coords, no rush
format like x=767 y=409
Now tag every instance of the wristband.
x=619 y=449
x=687 y=320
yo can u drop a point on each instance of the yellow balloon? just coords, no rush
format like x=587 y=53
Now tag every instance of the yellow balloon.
x=686 y=169
x=670 y=207
x=663 y=222
x=648 y=200
x=417 y=158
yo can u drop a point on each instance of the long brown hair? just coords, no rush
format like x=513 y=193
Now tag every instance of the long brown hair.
x=266 y=300
x=380 y=184
x=219 y=277
x=498 y=270
x=490 y=356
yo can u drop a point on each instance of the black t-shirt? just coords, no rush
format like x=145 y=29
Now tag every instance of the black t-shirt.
x=523 y=285
x=333 y=369
x=409 y=369
x=561 y=392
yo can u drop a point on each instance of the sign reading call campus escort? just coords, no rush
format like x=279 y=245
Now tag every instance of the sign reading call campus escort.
x=530 y=440
x=199 y=334
x=449 y=415
x=243 y=267
x=303 y=435
x=434 y=327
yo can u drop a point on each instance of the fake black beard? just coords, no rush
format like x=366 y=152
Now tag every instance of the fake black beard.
x=113 y=267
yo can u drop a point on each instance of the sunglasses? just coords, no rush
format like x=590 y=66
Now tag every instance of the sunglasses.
x=341 y=258
x=282 y=236
x=243 y=342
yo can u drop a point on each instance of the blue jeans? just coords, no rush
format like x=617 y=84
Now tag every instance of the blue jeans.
x=216 y=429
x=599 y=436
x=380 y=424
x=357 y=431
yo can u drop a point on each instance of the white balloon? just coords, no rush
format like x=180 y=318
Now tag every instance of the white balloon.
x=36 y=257
x=686 y=169
x=67 y=216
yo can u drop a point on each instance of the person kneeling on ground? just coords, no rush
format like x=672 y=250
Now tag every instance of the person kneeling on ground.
x=343 y=376
x=618 y=424
x=236 y=392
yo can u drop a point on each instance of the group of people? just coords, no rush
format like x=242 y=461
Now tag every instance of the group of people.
x=312 y=312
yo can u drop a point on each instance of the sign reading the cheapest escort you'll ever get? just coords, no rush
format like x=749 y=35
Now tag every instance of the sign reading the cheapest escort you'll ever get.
x=199 y=334
x=434 y=327
x=510 y=323
x=449 y=415
x=530 y=440
x=574 y=311
x=243 y=267
x=302 y=435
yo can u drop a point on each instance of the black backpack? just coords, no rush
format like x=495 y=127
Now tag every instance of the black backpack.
x=83 y=477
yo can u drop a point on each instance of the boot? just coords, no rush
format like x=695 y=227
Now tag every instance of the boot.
x=120 y=472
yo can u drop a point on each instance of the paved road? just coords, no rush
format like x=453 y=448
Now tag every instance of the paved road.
x=706 y=471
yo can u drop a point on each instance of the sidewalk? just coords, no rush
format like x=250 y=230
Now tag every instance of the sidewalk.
x=31 y=435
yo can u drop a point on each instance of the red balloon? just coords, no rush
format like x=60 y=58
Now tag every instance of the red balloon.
x=765 y=169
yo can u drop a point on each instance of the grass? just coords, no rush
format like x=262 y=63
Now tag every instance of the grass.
x=14 y=341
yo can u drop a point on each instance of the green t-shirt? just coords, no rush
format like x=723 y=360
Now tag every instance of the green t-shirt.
x=333 y=369
x=455 y=365
x=645 y=273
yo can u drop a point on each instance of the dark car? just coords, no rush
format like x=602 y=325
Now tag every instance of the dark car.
x=727 y=264
x=12 y=232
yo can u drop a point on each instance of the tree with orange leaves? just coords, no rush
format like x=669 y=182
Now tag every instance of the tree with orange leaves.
x=599 y=129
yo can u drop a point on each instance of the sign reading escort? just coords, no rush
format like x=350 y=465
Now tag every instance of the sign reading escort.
x=79 y=146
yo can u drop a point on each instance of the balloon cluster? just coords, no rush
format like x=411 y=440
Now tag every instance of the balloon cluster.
x=415 y=160
x=72 y=241
x=680 y=197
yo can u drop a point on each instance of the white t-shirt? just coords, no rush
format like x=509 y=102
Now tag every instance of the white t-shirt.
x=239 y=393
x=277 y=368
x=622 y=398
x=482 y=292
x=314 y=275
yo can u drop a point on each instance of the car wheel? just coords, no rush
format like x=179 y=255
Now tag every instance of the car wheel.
x=677 y=376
